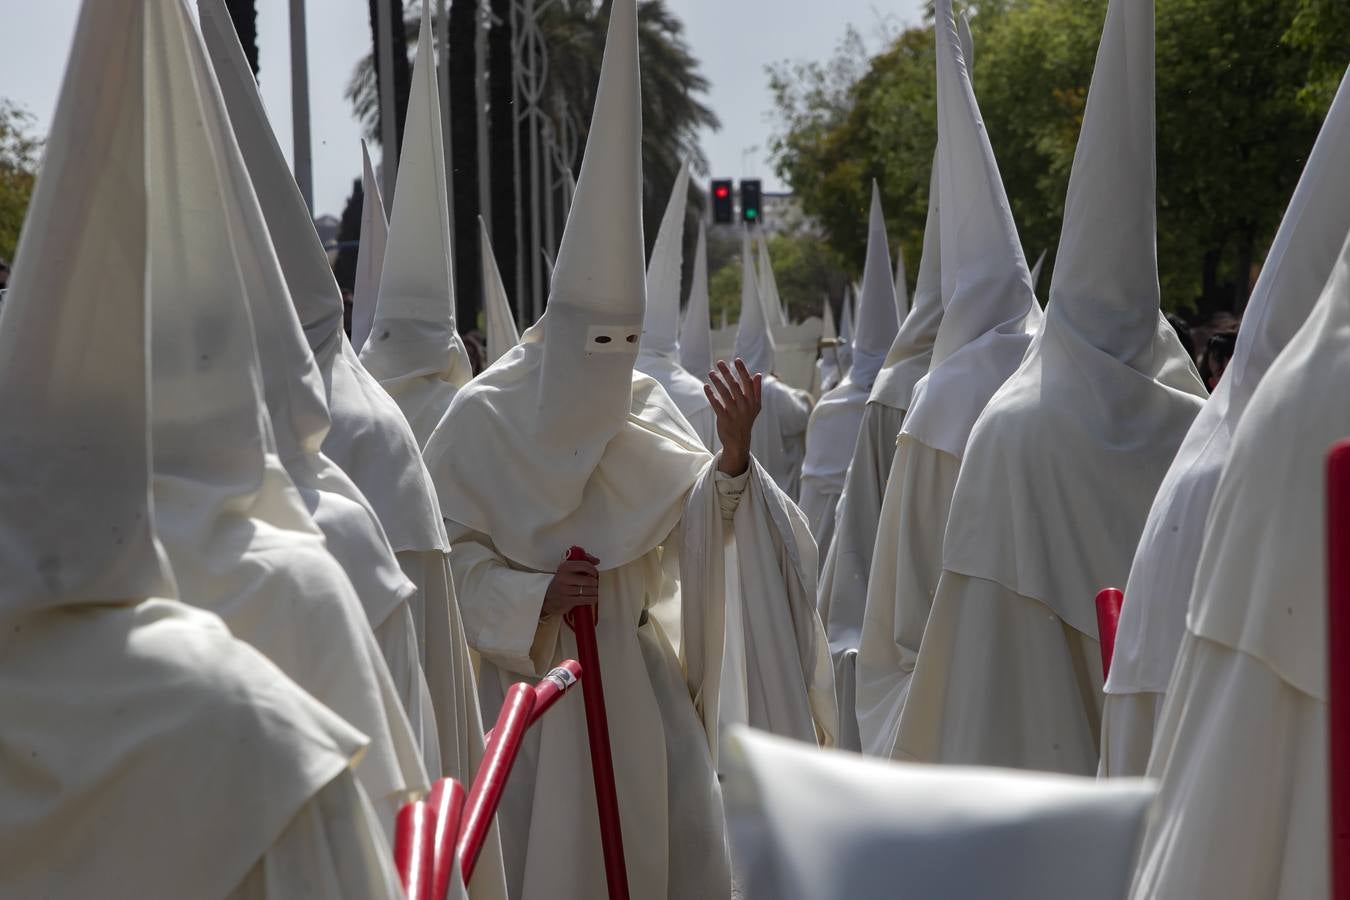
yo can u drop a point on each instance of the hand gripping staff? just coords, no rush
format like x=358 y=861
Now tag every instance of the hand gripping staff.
x=582 y=620
x=1338 y=664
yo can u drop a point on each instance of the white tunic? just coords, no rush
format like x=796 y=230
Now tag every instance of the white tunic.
x=778 y=440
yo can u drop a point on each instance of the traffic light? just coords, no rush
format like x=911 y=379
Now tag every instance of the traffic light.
x=721 y=201
x=750 y=200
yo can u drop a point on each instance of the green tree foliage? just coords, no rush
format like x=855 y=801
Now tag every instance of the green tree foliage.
x=1242 y=86
x=18 y=173
x=804 y=268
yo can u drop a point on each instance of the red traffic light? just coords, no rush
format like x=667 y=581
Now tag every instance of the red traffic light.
x=722 y=192
x=721 y=201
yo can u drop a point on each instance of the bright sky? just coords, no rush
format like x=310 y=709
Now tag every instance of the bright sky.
x=734 y=39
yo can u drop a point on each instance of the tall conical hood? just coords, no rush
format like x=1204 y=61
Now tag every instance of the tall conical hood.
x=828 y=331
x=209 y=253
x=768 y=285
x=76 y=525
x=369 y=254
x=1106 y=269
x=878 y=313
x=1036 y=270
x=304 y=262
x=985 y=281
x=901 y=285
x=414 y=328
x=1301 y=259
x=661 y=324
x=600 y=259
x=989 y=310
x=846 y=317
x=754 y=342
x=912 y=350
x=696 y=327
x=598 y=292
x=498 y=318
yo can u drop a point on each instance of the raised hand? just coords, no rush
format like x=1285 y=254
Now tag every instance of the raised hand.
x=576 y=583
x=735 y=399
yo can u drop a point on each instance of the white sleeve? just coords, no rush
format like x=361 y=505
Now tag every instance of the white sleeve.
x=334 y=849
x=501 y=606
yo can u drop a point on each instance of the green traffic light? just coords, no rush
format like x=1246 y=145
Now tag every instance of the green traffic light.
x=751 y=213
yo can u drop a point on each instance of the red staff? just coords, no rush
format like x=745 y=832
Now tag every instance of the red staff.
x=1109 y=601
x=1338 y=663
x=582 y=620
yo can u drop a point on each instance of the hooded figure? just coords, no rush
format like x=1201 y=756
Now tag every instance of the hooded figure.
x=502 y=334
x=409 y=598
x=237 y=531
x=846 y=331
x=844 y=575
x=696 y=327
x=1009 y=673
x=832 y=433
x=561 y=444
x=989 y=315
x=827 y=366
x=885 y=830
x=780 y=431
x=369 y=253
x=1241 y=745
x=414 y=349
x=659 y=346
x=1153 y=619
x=116 y=702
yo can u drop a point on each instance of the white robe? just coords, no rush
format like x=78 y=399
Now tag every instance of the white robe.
x=136 y=722
x=778 y=440
x=843 y=578
x=900 y=586
x=663 y=715
x=831 y=435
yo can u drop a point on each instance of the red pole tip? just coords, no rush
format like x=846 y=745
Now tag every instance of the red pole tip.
x=447 y=803
x=413 y=833
x=1109 y=601
x=575 y=553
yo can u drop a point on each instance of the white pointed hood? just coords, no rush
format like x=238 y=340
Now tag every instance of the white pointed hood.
x=366 y=432
x=696 y=327
x=414 y=349
x=369 y=254
x=912 y=350
x=661 y=322
x=878 y=310
x=76 y=525
x=309 y=278
x=538 y=451
x=1105 y=395
x=498 y=317
x=754 y=338
x=989 y=311
x=1036 y=270
x=901 y=287
x=1300 y=261
x=659 y=348
x=768 y=286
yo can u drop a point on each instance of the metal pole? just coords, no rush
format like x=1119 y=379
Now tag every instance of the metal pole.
x=443 y=90
x=388 y=120
x=304 y=165
x=480 y=47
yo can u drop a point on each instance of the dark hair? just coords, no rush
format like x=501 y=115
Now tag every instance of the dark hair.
x=1183 y=333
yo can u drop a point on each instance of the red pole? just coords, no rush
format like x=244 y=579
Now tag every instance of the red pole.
x=447 y=803
x=1338 y=663
x=490 y=780
x=413 y=831
x=582 y=619
x=1109 y=601
x=550 y=689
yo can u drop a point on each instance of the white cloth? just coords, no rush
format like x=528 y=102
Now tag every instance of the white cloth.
x=663 y=717
x=374 y=236
x=414 y=349
x=696 y=353
x=810 y=825
x=1083 y=432
x=1152 y=621
x=1247 y=703
x=499 y=320
x=900 y=586
x=778 y=439
x=844 y=574
x=831 y=435
x=879 y=310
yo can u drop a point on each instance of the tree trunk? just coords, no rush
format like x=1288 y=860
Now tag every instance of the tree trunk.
x=462 y=62
x=244 y=15
x=502 y=140
x=402 y=69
